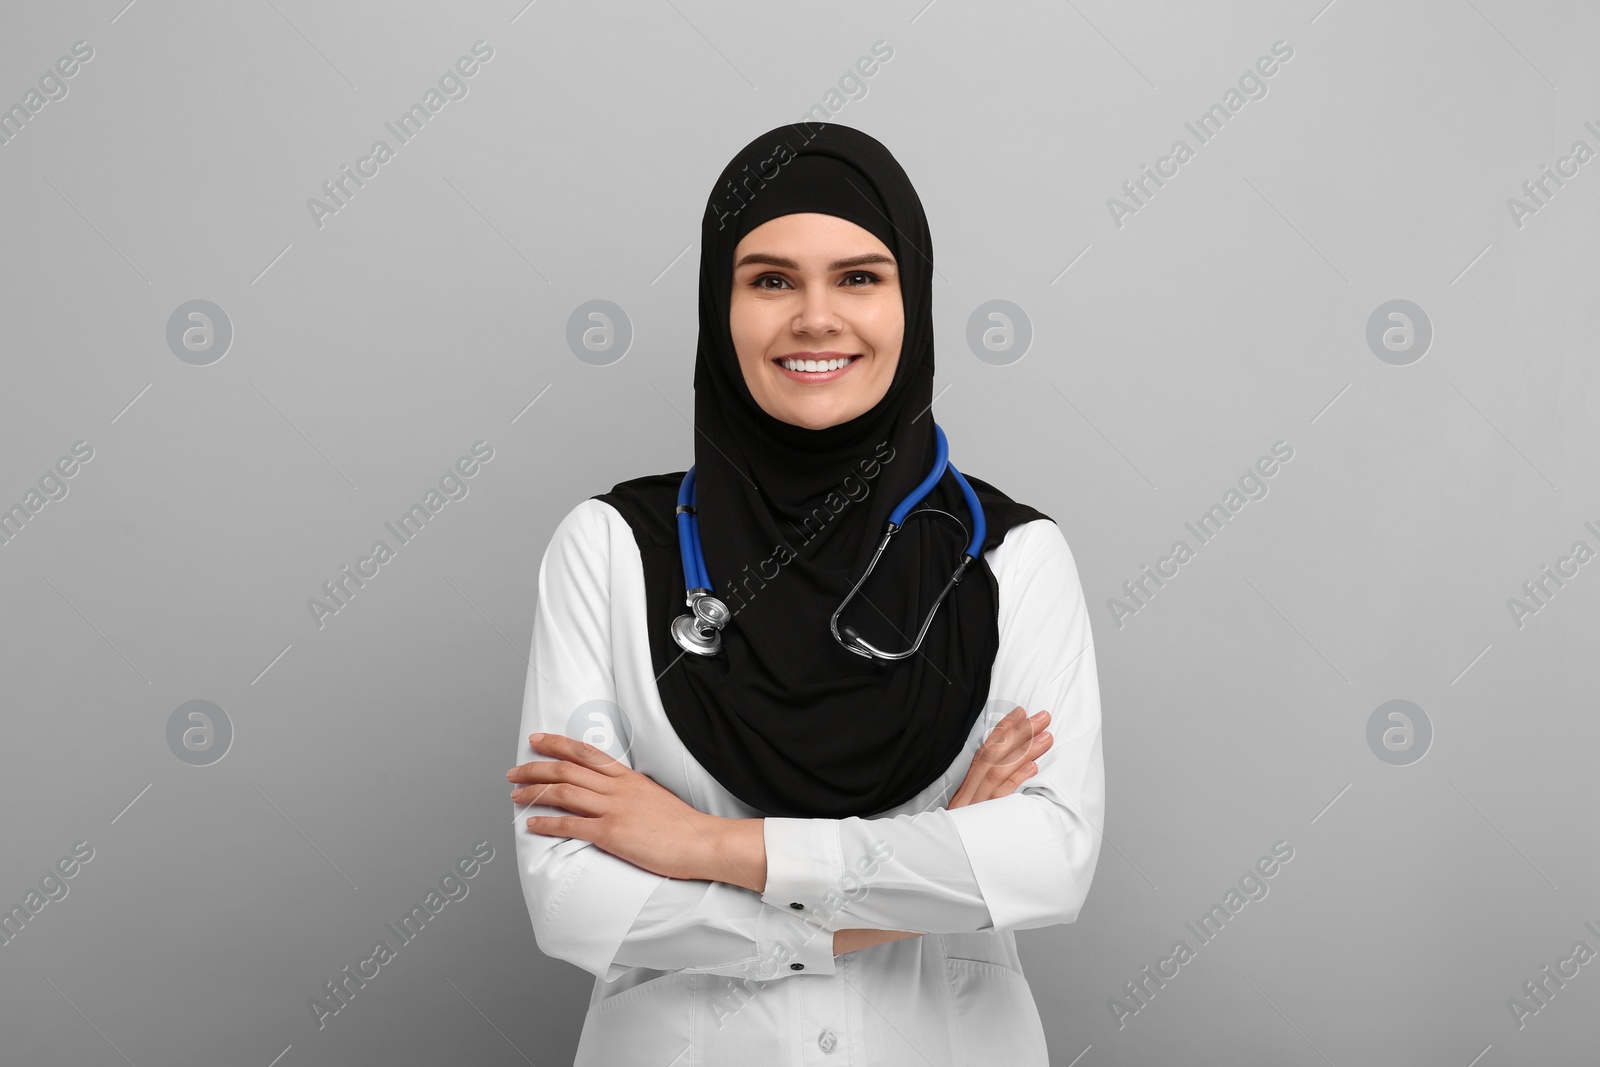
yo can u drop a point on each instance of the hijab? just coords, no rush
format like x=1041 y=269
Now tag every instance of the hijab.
x=784 y=717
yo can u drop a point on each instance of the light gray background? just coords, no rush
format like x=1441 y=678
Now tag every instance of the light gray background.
x=369 y=354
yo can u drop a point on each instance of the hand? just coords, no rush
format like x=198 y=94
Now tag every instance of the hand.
x=1002 y=763
x=620 y=810
x=1005 y=760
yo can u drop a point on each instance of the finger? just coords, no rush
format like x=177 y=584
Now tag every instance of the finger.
x=1008 y=725
x=561 y=826
x=1002 y=754
x=1012 y=784
x=570 y=748
x=1014 y=781
x=1039 y=746
x=1011 y=737
x=996 y=785
x=963 y=795
x=982 y=790
x=574 y=798
x=992 y=776
x=1014 y=738
x=532 y=777
x=977 y=779
x=1002 y=736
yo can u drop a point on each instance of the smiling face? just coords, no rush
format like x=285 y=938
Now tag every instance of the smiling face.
x=819 y=289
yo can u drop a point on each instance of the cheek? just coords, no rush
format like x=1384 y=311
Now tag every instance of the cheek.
x=884 y=326
x=746 y=328
x=887 y=341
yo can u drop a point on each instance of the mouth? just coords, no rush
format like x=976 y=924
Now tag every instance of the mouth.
x=828 y=366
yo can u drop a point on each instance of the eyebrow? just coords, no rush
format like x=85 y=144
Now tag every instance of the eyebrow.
x=838 y=264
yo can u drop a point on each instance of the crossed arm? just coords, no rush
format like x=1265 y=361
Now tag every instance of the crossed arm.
x=632 y=817
x=618 y=872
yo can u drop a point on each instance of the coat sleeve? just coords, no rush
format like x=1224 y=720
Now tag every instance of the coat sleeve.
x=1012 y=863
x=588 y=907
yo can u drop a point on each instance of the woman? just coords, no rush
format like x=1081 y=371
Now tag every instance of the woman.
x=783 y=850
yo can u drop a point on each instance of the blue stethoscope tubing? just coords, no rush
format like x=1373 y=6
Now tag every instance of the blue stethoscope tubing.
x=701 y=632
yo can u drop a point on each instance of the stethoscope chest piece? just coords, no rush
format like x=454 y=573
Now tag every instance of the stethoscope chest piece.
x=701 y=632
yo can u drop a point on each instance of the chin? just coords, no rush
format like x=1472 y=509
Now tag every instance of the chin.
x=817 y=420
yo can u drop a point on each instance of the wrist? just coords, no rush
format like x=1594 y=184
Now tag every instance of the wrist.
x=735 y=852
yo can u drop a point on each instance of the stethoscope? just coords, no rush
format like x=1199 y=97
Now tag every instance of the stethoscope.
x=701 y=631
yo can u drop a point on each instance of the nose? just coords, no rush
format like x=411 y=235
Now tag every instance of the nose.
x=817 y=314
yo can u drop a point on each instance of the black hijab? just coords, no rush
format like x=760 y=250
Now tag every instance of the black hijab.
x=784 y=718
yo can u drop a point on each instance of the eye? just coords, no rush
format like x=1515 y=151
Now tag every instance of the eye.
x=756 y=282
x=867 y=274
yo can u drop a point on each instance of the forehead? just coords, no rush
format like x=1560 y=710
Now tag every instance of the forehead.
x=810 y=235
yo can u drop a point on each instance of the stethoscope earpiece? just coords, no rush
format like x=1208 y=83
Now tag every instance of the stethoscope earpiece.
x=850 y=638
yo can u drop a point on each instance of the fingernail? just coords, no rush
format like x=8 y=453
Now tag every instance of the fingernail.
x=1045 y=736
x=535 y=738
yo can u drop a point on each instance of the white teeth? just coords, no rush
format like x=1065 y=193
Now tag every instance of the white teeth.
x=814 y=365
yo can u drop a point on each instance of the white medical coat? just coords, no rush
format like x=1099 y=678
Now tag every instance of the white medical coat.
x=705 y=974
